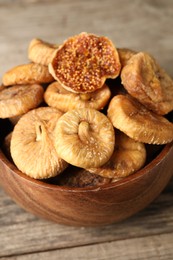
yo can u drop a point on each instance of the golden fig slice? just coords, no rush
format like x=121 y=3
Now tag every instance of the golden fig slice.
x=128 y=157
x=27 y=74
x=32 y=147
x=41 y=52
x=139 y=123
x=84 y=138
x=78 y=177
x=84 y=62
x=19 y=99
x=58 y=97
x=145 y=80
x=125 y=54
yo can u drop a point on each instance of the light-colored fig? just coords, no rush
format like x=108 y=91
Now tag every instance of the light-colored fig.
x=32 y=146
x=58 y=97
x=31 y=73
x=128 y=157
x=19 y=99
x=84 y=62
x=139 y=123
x=145 y=80
x=41 y=52
x=84 y=138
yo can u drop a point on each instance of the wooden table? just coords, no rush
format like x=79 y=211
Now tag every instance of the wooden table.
x=141 y=25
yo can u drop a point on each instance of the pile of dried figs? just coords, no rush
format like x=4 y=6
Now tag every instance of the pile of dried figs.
x=83 y=112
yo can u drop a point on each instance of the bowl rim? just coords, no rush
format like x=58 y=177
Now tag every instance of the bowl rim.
x=133 y=177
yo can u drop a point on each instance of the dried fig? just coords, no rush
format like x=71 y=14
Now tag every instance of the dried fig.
x=58 y=97
x=84 y=138
x=78 y=177
x=84 y=62
x=27 y=74
x=145 y=80
x=17 y=100
x=139 y=123
x=32 y=146
x=128 y=157
x=41 y=52
x=124 y=55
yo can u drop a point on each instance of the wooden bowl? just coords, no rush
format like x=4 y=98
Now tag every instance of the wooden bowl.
x=90 y=206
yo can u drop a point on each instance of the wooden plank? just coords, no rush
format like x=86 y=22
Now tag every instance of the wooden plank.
x=9 y=2
x=153 y=247
x=22 y=233
x=55 y=21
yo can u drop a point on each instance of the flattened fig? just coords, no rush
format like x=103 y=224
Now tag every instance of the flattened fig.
x=84 y=138
x=19 y=99
x=31 y=73
x=145 y=80
x=64 y=100
x=41 y=52
x=32 y=146
x=139 y=123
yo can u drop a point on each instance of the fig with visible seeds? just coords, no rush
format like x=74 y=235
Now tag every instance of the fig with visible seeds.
x=32 y=145
x=84 y=62
x=84 y=138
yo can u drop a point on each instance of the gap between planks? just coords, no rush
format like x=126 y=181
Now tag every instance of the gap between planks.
x=151 y=247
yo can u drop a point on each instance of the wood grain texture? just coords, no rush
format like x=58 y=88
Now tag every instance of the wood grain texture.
x=42 y=235
x=153 y=247
x=88 y=206
x=141 y=25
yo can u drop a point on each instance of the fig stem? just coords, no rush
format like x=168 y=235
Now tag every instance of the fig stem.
x=39 y=131
x=83 y=131
x=85 y=96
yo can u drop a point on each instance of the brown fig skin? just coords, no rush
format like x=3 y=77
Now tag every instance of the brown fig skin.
x=139 y=123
